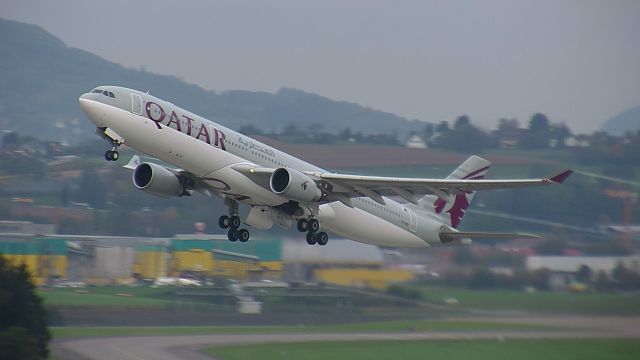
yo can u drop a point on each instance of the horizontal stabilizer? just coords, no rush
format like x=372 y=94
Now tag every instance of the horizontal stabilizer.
x=451 y=236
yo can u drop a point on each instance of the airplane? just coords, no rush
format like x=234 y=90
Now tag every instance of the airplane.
x=281 y=189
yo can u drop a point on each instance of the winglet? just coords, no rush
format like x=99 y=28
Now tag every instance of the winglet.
x=133 y=163
x=560 y=178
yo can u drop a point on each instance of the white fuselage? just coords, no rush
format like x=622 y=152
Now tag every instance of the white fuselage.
x=209 y=150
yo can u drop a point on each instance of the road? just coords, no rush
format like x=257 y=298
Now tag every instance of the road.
x=186 y=347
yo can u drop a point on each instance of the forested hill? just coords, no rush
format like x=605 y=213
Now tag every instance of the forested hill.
x=627 y=121
x=41 y=79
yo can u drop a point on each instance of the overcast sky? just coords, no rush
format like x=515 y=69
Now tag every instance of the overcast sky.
x=576 y=61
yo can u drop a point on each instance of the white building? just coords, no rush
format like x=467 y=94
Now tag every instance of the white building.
x=571 y=264
x=416 y=142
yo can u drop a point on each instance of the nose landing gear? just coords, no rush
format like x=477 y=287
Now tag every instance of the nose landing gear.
x=114 y=139
x=112 y=155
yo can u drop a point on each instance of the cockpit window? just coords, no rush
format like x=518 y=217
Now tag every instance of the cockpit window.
x=104 y=92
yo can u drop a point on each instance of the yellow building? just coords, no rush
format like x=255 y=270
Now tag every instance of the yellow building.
x=44 y=258
x=219 y=258
x=151 y=262
x=379 y=279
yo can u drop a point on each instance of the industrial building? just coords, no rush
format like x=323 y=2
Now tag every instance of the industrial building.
x=341 y=262
x=102 y=260
x=572 y=264
x=206 y=257
x=44 y=258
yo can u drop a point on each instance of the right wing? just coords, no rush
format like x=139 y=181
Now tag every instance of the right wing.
x=412 y=188
x=339 y=187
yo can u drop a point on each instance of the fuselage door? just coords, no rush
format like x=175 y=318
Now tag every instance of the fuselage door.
x=413 y=221
x=136 y=104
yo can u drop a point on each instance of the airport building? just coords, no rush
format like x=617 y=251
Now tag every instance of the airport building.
x=44 y=258
x=123 y=260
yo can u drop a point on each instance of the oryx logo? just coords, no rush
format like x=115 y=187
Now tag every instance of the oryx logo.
x=304 y=185
x=458 y=204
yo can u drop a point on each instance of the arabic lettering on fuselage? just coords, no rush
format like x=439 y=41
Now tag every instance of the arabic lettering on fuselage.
x=156 y=113
x=253 y=146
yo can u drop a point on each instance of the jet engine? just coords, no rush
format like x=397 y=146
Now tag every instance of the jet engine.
x=157 y=180
x=294 y=185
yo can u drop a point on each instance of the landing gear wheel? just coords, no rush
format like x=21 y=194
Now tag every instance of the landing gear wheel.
x=232 y=235
x=243 y=235
x=311 y=238
x=111 y=155
x=224 y=221
x=314 y=225
x=303 y=225
x=234 y=222
x=322 y=238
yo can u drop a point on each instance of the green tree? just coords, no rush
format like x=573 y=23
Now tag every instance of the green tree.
x=464 y=256
x=538 y=134
x=482 y=279
x=464 y=137
x=345 y=134
x=10 y=138
x=560 y=133
x=17 y=343
x=91 y=190
x=584 y=274
x=23 y=317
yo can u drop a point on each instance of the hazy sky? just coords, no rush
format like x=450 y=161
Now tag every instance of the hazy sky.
x=576 y=61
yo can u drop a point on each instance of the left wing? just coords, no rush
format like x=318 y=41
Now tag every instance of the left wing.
x=195 y=182
x=449 y=236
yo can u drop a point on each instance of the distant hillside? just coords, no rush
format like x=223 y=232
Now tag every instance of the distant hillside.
x=41 y=79
x=626 y=121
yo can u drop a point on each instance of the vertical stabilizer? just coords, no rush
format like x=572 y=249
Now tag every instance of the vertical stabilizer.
x=453 y=208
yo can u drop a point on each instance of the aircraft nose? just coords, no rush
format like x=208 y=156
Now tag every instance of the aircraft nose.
x=84 y=102
x=90 y=108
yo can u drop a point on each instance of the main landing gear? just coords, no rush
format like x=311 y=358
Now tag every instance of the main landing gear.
x=233 y=224
x=311 y=227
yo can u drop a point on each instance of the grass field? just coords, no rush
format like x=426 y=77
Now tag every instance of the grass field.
x=433 y=350
x=489 y=300
x=106 y=296
x=547 y=302
x=382 y=326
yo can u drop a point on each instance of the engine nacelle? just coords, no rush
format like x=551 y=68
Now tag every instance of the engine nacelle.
x=157 y=180
x=263 y=218
x=294 y=185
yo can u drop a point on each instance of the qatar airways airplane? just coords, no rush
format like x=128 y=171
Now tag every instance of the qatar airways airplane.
x=282 y=189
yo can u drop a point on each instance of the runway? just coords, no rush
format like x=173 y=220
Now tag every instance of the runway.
x=186 y=347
